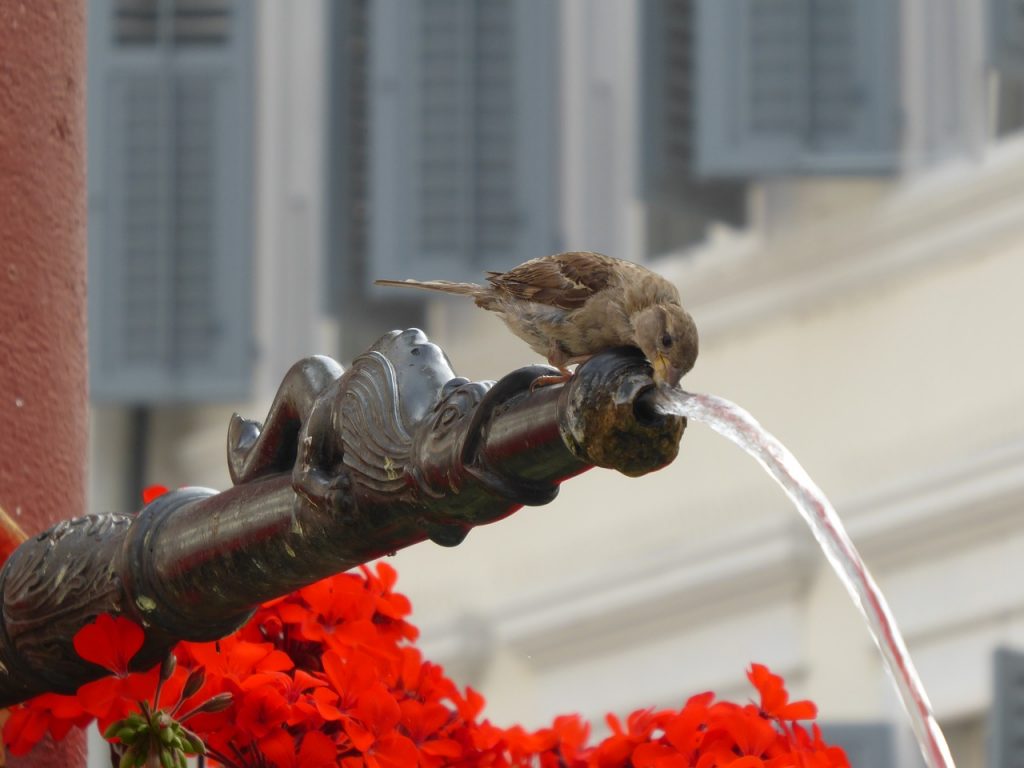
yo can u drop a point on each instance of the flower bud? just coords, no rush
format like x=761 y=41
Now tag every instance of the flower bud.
x=217 y=703
x=167 y=667
x=193 y=683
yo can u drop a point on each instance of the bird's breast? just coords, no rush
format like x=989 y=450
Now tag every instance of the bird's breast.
x=585 y=331
x=536 y=324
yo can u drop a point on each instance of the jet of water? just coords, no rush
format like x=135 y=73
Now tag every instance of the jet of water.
x=736 y=424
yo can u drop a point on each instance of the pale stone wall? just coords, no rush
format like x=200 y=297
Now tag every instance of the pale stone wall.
x=873 y=325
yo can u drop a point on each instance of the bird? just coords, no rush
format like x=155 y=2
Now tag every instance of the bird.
x=570 y=306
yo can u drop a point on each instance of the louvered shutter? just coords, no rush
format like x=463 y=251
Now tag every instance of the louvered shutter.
x=1006 y=24
x=797 y=86
x=464 y=125
x=1007 y=731
x=169 y=144
x=670 y=187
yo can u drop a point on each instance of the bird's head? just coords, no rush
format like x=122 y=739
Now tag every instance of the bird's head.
x=667 y=335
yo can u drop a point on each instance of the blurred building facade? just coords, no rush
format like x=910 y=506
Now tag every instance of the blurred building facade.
x=834 y=184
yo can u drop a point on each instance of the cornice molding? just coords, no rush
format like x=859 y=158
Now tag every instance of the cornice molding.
x=654 y=597
x=950 y=214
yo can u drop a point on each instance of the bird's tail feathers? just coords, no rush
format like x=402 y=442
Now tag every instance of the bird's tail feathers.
x=465 y=289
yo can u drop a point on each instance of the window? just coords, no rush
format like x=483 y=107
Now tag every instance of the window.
x=169 y=143
x=679 y=206
x=797 y=87
x=1006 y=749
x=463 y=172
x=1006 y=46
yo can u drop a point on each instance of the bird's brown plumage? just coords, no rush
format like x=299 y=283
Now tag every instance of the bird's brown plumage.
x=565 y=280
x=570 y=306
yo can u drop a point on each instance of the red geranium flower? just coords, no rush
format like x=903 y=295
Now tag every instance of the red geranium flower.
x=427 y=726
x=348 y=677
x=325 y=677
x=774 y=698
x=261 y=711
x=295 y=689
x=50 y=711
x=372 y=731
x=686 y=731
x=235 y=660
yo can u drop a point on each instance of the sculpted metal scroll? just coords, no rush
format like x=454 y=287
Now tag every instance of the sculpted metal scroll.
x=348 y=465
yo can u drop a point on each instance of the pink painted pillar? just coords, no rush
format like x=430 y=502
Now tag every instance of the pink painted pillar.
x=43 y=412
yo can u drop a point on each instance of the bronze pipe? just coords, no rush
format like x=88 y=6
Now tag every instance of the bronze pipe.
x=348 y=466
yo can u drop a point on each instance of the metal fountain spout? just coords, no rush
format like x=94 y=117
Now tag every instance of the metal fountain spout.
x=349 y=465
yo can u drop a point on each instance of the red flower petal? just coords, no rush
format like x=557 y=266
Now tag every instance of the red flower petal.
x=262 y=711
x=654 y=755
x=99 y=697
x=317 y=750
x=749 y=761
x=110 y=642
x=279 y=748
x=442 y=748
x=378 y=710
x=25 y=728
x=62 y=707
x=362 y=739
x=393 y=751
x=798 y=710
x=153 y=492
x=324 y=701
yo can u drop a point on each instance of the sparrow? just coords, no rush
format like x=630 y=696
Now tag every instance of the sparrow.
x=570 y=306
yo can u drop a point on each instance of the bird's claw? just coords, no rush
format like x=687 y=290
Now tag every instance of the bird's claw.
x=547 y=381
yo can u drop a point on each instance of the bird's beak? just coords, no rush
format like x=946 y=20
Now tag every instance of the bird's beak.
x=665 y=372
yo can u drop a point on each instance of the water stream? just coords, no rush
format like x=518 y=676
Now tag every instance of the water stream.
x=737 y=425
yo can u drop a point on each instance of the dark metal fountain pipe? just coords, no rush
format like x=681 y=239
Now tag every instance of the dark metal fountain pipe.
x=347 y=467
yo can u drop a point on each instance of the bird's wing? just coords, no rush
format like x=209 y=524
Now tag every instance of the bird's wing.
x=565 y=280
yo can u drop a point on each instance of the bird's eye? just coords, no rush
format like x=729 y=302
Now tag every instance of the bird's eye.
x=666 y=340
